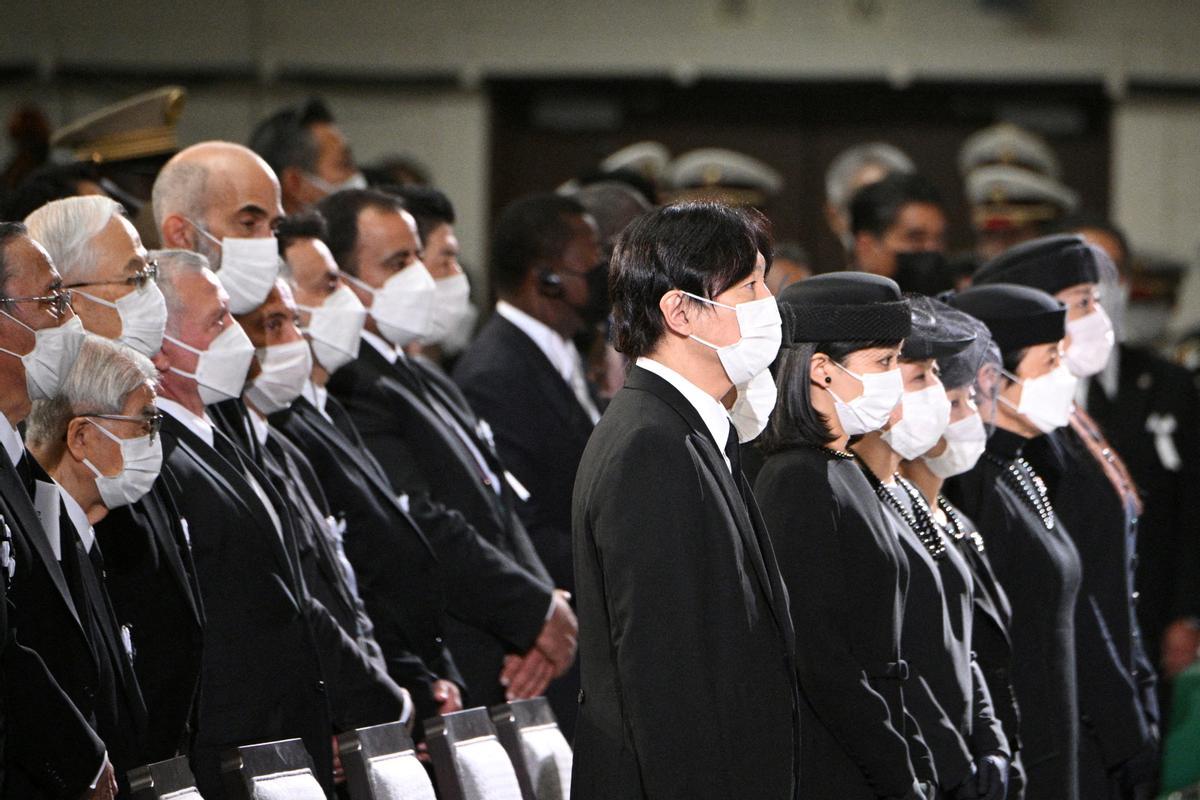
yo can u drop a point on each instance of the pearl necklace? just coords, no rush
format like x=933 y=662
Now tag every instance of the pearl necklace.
x=956 y=524
x=1026 y=483
x=925 y=528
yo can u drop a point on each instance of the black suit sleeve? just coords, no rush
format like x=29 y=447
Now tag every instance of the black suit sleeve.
x=374 y=419
x=946 y=745
x=987 y=733
x=803 y=518
x=47 y=738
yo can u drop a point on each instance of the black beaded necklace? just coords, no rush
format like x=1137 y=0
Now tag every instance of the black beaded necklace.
x=830 y=451
x=1026 y=483
x=920 y=521
x=956 y=529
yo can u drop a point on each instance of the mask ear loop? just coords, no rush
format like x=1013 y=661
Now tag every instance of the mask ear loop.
x=87 y=462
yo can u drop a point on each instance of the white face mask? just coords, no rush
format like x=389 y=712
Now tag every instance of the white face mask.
x=966 y=440
x=1047 y=400
x=452 y=305
x=335 y=328
x=762 y=332
x=926 y=415
x=53 y=354
x=752 y=409
x=143 y=314
x=457 y=338
x=871 y=409
x=285 y=368
x=141 y=459
x=355 y=181
x=248 y=269
x=221 y=369
x=1092 y=341
x=403 y=306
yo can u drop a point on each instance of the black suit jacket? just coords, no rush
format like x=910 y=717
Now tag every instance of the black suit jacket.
x=152 y=582
x=686 y=642
x=393 y=408
x=275 y=664
x=57 y=753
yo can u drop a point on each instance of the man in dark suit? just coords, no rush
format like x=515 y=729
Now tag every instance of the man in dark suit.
x=429 y=443
x=57 y=754
x=524 y=375
x=671 y=556
x=276 y=665
x=97 y=442
x=146 y=554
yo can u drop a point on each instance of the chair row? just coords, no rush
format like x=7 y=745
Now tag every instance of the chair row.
x=515 y=752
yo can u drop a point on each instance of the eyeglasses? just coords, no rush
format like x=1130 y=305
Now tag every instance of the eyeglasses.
x=138 y=279
x=151 y=423
x=56 y=303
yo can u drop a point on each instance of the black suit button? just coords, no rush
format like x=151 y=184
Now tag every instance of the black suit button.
x=581 y=697
x=320 y=687
x=1134 y=597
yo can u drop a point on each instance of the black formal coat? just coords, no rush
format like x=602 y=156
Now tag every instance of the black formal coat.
x=1154 y=423
x=847 y=577
x=685 y=638
x=946 y=694
x=540 y=431
x=403 y=417
x=990 y=641
x=411 y=571
x=57 y=752
x=151 y=580
x=1039 y=569
x=275 y=663
x=1117 y=699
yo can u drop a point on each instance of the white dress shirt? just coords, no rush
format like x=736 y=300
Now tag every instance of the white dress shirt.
x=10 y=437
x=714 y=415
x=78 y=517
x=317 y=395
x=562 y=353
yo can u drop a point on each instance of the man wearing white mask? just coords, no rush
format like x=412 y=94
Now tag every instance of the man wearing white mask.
x=308 y=152
x=58 y=753
x=116 y=296
x=1097 y=500
x=427 y=439
x=671 y=555
x=221 y=200
x=275 y=663
x=101 y=258
x=97 y=441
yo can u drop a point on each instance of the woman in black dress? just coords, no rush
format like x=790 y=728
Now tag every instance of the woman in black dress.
x=1096 y=499
x=846 y=575
x=1031 y=553
x=948 y=695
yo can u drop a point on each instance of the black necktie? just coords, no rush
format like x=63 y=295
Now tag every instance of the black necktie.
x=734 y=453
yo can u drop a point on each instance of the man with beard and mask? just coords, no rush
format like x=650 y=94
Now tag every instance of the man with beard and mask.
x=276 y=664
x=57 y=753
x=146 y=553
x=899 y=229
x=1149 y=409
x=434 y=449
x=1095 y=497
x=308 y=152
x=524 y=375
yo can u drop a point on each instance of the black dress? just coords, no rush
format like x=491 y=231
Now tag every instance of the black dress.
x=1037 y=564
x=846 y=577
x=949 y=697
x=991 y=641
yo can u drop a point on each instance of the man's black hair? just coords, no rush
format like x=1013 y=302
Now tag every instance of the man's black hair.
x=341 y=210
x=284 y=139
x=876 y=206
x=532 y=231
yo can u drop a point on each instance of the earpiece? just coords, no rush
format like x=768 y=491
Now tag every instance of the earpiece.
x=550 y=283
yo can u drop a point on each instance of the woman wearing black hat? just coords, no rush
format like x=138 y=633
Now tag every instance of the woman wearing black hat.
x=1097 y=501
x=845 y=573
x=982 y=617
x=947 y=694
x=1032 y=555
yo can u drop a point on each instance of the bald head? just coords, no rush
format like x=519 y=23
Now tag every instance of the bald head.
x=219 y=188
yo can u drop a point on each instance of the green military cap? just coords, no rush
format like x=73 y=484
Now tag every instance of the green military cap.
x=139 y=127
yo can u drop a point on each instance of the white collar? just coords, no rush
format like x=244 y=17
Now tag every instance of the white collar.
x=78 y=517
x=318 y=396
x=385 y=348
x=560 y=352
x=715 y=417
x=201 y=426
x=10 y=437
x=258 y=425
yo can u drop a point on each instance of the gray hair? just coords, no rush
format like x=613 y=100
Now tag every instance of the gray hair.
x=180 y=188
x=103 y=376
x=848 y=163
x=612 y=205
x=66 y=228
x=171 y=265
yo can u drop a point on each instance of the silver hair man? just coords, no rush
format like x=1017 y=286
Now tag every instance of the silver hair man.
x=66 y=228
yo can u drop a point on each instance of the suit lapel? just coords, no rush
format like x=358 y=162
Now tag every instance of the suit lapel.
x=165 y=529
x=558 y=391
